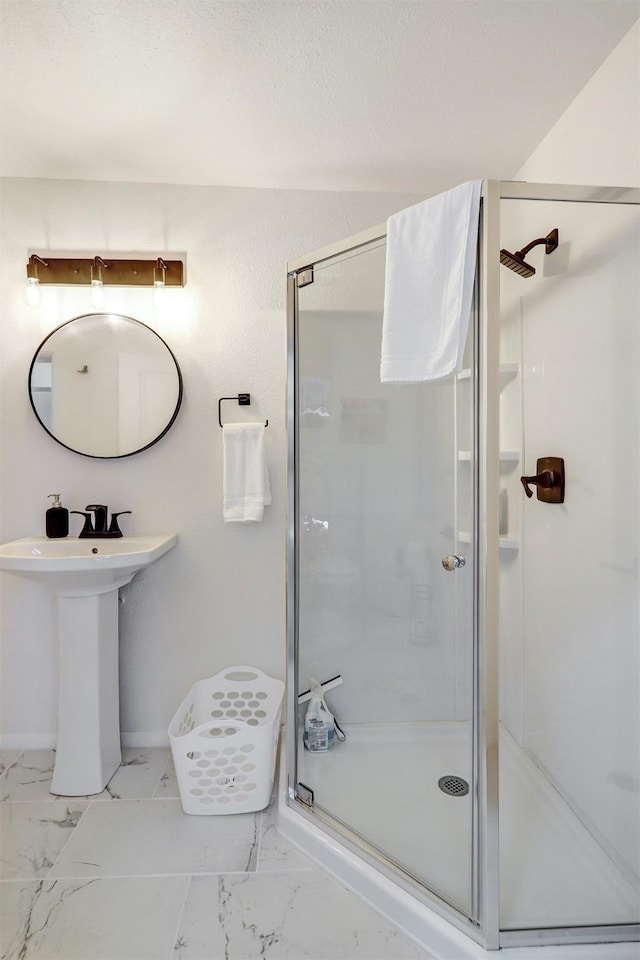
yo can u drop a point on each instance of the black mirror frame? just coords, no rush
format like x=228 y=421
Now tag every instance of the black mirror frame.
x=119 y=456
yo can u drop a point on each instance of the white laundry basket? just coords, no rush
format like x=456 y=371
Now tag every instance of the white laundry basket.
x=224 y=738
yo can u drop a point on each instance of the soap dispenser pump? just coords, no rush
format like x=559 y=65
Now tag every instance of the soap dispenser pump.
x=56 y=519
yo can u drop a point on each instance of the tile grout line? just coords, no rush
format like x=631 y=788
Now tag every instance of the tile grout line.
x=55 y=798
x=180 y=916
x=157 y=876
x=260 y=814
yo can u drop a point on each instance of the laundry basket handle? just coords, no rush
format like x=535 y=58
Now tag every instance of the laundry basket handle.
x=242 y=674
x=209 y=729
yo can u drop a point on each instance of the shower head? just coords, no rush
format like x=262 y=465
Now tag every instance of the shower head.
x=516 y=261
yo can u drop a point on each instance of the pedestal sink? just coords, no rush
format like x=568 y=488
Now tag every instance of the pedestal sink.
x=85 y=576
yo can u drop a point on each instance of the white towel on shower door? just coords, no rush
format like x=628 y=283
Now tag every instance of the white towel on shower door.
x=430 y=270
x=246 y=477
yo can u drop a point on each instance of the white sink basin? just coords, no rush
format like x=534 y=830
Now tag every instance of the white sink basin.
x=76 y=567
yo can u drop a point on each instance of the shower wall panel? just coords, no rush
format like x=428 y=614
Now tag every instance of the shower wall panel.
x=570 y=629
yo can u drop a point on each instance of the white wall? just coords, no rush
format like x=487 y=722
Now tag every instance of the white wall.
x=597 y=139
x=218 y=598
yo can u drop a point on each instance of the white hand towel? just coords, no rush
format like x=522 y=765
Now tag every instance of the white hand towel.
x=430 y=269
x=246 y=477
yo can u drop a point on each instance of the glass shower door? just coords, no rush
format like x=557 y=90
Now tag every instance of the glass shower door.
x=385 y=492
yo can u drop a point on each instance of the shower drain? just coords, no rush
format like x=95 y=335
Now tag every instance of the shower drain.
x=454 y=786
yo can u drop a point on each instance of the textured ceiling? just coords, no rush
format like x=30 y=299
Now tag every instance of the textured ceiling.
x=399 y=95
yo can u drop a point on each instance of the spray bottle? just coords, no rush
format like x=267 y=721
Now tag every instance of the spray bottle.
x=319 y=725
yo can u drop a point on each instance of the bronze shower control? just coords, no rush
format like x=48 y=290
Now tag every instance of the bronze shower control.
x=549 y=480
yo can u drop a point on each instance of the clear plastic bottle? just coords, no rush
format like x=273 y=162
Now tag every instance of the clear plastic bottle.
x=319 y=726
x=318 y=735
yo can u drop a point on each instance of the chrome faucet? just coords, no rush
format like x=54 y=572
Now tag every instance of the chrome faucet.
x=98 y=526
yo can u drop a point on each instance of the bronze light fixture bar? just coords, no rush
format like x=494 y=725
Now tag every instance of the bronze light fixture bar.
x=71 y=271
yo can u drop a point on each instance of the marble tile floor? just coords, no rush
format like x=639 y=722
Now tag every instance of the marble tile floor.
x=126 y=875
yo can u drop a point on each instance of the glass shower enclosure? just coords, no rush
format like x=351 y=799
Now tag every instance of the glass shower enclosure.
x=478 y=647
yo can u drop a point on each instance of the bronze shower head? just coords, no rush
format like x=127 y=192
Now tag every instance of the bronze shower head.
x=516 y=261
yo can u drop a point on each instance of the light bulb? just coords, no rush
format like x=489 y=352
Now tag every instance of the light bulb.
x=97 y=291
x=159 y=272
x=158 y=294
x=32 y=291
x=97 y=294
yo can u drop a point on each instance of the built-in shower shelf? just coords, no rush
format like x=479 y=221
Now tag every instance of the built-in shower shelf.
x=507 y=372
x=506 y=456
x=505 y=543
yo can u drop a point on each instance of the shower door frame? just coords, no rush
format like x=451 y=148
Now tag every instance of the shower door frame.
x=484 y=927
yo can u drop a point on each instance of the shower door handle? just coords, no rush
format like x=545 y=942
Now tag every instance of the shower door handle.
x=453 y=562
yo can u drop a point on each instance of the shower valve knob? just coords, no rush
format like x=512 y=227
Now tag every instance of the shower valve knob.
x=453 y=562
x=549 y=480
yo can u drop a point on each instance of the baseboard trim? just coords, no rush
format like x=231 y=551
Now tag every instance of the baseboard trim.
x=47 y=741
x=145 y=738
x=27 y=741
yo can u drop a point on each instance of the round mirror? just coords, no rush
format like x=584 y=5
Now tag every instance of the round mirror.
x=105 y=385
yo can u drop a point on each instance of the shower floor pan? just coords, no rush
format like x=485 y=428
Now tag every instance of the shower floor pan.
x=383 y=783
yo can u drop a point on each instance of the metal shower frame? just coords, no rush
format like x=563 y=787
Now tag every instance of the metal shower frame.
x=485 y=879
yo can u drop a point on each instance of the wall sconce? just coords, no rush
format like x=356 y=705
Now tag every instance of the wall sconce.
x=32 y=292
x=99 y=272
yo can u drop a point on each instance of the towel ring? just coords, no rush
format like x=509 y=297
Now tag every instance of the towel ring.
x=243 y=399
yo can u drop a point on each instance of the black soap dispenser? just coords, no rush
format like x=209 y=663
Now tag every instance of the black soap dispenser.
x=57 y=519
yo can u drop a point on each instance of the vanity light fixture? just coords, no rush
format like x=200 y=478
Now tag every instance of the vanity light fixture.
x=32 y=291
x=100 y=272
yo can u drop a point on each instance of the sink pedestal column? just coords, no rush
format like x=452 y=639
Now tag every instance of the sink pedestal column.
x=88 y=743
